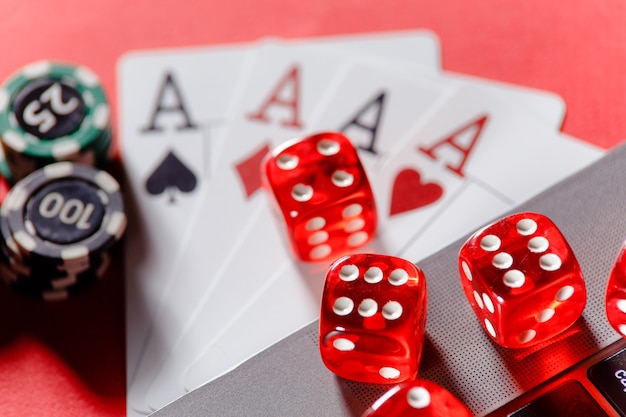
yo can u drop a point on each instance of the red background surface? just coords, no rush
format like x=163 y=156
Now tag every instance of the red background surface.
x=67 y=359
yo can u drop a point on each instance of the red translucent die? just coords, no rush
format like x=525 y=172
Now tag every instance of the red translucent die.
x=372 y=318
x=419 y=398
x=616 y=294
x=320 y=188
x=522 y=280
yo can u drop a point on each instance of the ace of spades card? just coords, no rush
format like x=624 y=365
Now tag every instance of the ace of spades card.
x=170 y=102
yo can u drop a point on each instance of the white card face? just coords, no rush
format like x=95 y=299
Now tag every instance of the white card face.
x=270 y=94
x=374 y=106
x=168 y=101
x=546 y=106
x=411 y=46
x=464 y=204
x=488 y=145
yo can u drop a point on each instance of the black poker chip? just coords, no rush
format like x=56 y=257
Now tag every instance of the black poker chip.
x=65 y=212
x=47 y=294
x=58 y=225
x=43 y=281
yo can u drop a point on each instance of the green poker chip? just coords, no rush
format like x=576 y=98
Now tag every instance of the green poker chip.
x=52 y=112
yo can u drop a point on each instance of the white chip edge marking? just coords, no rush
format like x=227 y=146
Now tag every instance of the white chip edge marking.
x=37 y=69
x=101 y=116
x=25 y=240
x=58 y=169
x=621 y=305
x=103 y=196
x=74 y=252
x=89 y=101
x=62 y=149
x=107 y=182
x=5 y=99
x=86 y=77
x=116 y=224
x=14 y=141
x=16 y=199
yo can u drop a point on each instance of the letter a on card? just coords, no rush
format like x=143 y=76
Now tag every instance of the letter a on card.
x=463 y=141
x=289 y=87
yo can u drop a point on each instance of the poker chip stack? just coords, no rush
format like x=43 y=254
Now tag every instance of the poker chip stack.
x=58 y=225
x=52 y=112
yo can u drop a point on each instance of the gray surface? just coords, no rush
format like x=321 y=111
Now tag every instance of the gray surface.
x=289 y=378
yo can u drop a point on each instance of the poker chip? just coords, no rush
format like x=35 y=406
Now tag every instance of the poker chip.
x=53 y=112
x=5 y=172
x=58 y=225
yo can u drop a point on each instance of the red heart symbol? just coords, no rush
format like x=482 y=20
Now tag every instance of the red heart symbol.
x=410 y=193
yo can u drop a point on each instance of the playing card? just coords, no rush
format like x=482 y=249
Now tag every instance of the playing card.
x=218 y=231
x=413 y=190
x=375 y=105
x=502 y=156
x=169 y=100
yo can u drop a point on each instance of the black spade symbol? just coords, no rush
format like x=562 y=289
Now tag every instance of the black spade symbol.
x=171 y=174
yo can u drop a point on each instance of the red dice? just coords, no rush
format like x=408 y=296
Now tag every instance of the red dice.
x=522 y=280
x=616 y=294
x=419 y=398
x=372 y=318
x=319 y=186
